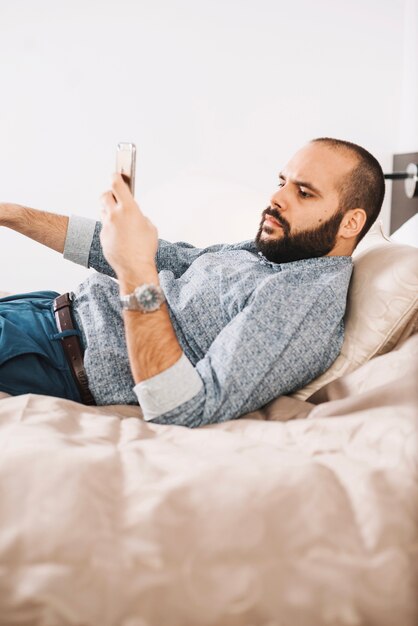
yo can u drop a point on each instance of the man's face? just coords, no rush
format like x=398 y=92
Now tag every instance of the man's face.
x=303 y=218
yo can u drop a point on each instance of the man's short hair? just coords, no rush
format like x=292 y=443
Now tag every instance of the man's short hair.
x=364 y=187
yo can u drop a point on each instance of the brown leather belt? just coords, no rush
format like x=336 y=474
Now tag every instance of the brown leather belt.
x=72 y=346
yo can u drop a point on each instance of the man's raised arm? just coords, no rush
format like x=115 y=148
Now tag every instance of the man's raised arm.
x=46 y=228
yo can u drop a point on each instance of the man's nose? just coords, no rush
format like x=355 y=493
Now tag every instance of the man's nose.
x=278 y=200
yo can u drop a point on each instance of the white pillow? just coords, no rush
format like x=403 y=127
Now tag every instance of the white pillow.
x=408 y=232
x=382 y=305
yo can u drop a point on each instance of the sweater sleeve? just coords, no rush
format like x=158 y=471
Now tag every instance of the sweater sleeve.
x=83 y=246
x=78 y=241
x=267 y=350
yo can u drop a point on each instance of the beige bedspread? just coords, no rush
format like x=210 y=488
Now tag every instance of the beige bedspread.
x=271 y=520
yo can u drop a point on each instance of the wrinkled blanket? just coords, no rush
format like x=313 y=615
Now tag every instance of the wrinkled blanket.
x=304 y=513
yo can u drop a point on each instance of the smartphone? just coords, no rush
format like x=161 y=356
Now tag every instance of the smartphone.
x=125 y=163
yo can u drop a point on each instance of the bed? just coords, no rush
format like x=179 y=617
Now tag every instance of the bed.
x=302 y=513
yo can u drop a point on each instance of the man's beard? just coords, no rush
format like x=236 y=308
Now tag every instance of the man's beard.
x=305 y=244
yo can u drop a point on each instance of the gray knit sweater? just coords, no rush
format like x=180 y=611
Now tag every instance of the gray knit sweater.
x=250 y=330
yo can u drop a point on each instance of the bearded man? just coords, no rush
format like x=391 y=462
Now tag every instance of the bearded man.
x=195 y=336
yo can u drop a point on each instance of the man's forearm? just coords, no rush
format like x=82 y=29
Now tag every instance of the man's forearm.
x=46 y=228
x=151 y=341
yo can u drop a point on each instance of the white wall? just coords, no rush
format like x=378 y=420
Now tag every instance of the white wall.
x=217 y=96
x=408 y=118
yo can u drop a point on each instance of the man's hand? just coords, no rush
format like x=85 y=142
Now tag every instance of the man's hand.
x=129 y=239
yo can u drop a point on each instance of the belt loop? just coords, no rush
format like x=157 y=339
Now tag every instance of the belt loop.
x=71 y=332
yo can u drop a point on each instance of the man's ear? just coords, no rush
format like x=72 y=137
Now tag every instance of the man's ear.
x=352 y=223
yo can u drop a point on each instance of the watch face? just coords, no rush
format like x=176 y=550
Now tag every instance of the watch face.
x=146 y=298
x=149 y=297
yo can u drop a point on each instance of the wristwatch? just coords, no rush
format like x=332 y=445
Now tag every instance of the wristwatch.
x=146 y=299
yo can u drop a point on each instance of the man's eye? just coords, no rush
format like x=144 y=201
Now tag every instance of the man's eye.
x=304 y=194
x=280 y=184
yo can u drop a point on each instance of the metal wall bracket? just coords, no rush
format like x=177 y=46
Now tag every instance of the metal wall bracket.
x=404 y=203
x=411 y=179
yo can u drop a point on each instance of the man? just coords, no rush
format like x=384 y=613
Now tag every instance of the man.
x=196 y=336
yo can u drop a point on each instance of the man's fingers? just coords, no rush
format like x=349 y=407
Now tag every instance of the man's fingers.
x=120 y=189
x=108 y=202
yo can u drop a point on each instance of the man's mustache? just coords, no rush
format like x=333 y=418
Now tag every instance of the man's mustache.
x=277 y=216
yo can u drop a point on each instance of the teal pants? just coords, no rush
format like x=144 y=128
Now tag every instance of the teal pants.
x=32 y=359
